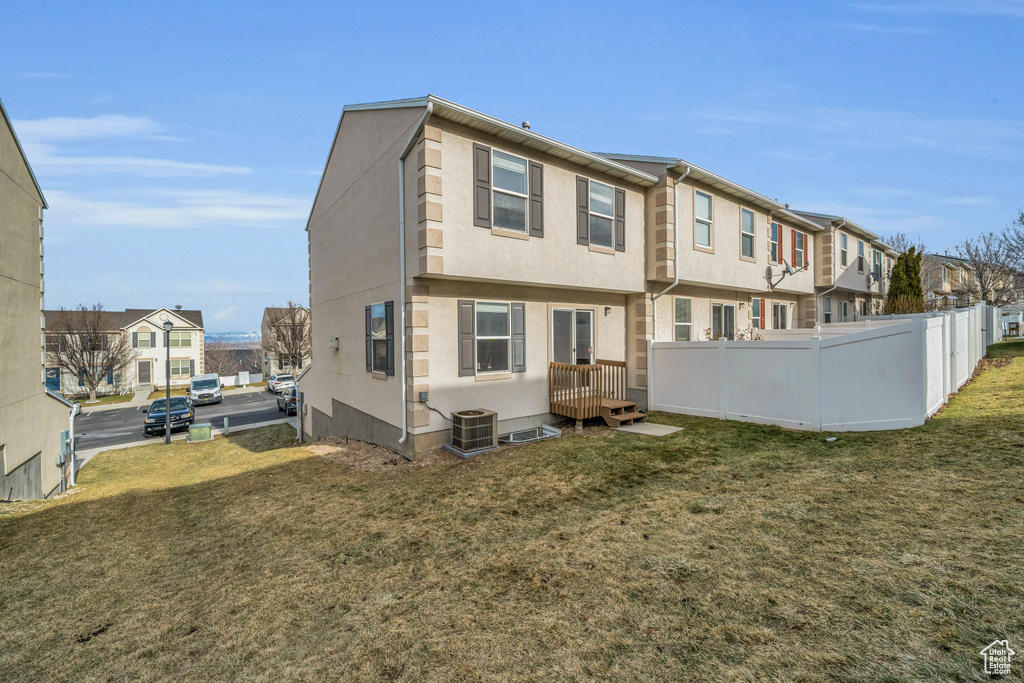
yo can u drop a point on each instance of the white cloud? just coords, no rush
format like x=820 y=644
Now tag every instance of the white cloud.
x=203 y=209
x=69 y=128
x=880 y=28
x=47 y=161
x=224 y=313
x=928 y=7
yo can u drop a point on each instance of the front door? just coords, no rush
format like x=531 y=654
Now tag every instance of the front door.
x=144 y=372
x=572 y=336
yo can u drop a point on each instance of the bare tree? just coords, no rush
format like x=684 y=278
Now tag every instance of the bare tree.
x=902 y=243
x=220 y=358
x=1013 y=237
x=89 y=344
x=993 y=277
x=288 y=338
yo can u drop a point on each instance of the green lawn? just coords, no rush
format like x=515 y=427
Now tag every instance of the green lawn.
x=103 y=400
x=726 y=552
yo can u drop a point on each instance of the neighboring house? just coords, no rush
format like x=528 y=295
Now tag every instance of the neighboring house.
x=855 y=269
x=285 y=339
x=455 y=258
x=35 y=425
x=947 y=282
x=149 y=368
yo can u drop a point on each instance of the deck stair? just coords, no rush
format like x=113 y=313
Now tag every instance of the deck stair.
x=616 y=413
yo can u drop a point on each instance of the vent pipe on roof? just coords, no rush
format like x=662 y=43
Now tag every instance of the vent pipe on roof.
x=526 y=125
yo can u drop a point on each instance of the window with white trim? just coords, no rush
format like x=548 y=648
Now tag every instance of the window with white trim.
x=827 y=309
x=757 y=313
x=684 y=319
x=181 y=338
x=602 y=214
x=876 y=263
x=378 y=338
x=842 y=249
x=493 y=336
x=773 y=241
x=146 y=340
x=510 y=191
x=860 y=256
x=747 y=233
x=799 y=249
x=180 y=367
x=703 y=219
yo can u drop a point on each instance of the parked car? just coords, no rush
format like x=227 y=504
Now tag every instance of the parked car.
x=181 y=415
x=205 y=389
x=288 y=401
x=278 y=382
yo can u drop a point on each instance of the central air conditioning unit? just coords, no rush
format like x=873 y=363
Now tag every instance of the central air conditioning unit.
x=474 y=430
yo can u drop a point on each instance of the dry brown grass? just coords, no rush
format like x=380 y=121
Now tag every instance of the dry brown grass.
x=725 y=552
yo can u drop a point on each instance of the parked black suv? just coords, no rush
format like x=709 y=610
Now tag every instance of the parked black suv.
x=182 y=415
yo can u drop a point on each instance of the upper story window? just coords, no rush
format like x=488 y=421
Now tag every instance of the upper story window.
x=146 y=340
x=775 y=242
x=510 y=191
x=746 y=233
x=684 y=319
x=876 y=263
x=181 y=338
x=601 y=202
x=799 y=250
x=703 y=219
x=842 y=249
x=860 y=256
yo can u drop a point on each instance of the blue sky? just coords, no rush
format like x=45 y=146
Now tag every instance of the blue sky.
x=180 y=144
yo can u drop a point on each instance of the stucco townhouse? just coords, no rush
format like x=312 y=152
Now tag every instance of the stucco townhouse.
x=855 y=268
x=284 y=349
x=36 y=426
x=947 y=282
x=148 y=369
x=454 y=258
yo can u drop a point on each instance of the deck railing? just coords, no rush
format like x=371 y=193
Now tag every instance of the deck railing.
x=576 y=390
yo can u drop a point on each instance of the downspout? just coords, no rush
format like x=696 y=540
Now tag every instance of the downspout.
x=675 y=248
x=835 y=274
x=75 y=410
x=401 y=258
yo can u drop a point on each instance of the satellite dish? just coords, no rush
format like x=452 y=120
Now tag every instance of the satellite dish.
x=768 y=275
x=789 y=268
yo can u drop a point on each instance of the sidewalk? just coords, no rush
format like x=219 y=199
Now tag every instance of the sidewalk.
x=82 y=457
x=143 y=400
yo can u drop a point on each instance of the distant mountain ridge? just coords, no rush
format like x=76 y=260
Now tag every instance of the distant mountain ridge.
x=241 y=339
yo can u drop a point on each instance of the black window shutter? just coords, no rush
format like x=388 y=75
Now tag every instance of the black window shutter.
x=369 y=346
x=467 y=360
x=192 y=367
x=135 y=340
x=536 y=199
x=518 y=337
x=582 y=210
x=389 y=331
x=620 y=220
x=481 y=185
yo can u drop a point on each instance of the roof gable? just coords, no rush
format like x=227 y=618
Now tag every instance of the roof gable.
x=24 y=158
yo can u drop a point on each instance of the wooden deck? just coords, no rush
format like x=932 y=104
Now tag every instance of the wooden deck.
x=582 y=392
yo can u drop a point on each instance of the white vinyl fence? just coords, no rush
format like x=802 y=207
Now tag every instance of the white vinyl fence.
x=232 y=380
x=877 y=373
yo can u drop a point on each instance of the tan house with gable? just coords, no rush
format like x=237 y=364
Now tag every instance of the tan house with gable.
x=35 y=425
x=458 y=261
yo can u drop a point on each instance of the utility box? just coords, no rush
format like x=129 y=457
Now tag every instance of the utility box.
x=200 y=432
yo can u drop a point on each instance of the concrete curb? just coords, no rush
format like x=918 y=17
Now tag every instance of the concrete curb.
x=82 y=457
x=146 y=401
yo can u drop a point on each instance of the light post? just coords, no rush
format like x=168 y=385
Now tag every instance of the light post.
x=167 y=408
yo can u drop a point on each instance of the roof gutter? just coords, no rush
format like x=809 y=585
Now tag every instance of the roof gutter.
x=401 y=259
x=675 y=248
x=835 y=274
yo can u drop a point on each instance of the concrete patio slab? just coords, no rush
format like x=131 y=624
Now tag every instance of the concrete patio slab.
x=649 y=428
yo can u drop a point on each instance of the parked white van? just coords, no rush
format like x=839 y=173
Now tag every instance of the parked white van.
x=205 y=389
